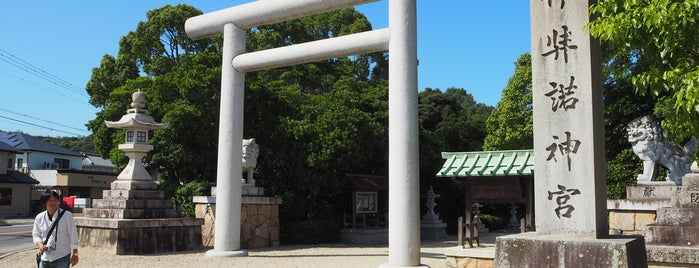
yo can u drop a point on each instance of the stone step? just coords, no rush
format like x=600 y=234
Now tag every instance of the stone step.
x=672 y=235
x=113 y=213
x=139 y=236
x=671 y=216
x=133 y=185
x=133 y=194
x=132 y=203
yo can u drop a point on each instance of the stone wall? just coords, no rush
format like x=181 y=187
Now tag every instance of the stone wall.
x=629 y=221
x=259 y=222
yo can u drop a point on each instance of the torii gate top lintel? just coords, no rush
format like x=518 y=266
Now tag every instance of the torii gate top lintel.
x=258 y=13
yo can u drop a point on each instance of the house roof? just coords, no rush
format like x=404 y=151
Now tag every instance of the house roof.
x=487 y=163
x=13 y=176
x=4 y=147
x=24 y=142
x=96 y=160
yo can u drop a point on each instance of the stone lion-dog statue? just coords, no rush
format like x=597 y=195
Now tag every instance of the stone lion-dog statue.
x=250 y=153
x=648 y=142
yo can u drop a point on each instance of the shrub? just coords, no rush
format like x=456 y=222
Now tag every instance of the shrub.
x=182 y=200
x=493 y=222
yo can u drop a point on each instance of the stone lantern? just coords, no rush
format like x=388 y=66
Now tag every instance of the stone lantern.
x=134 y=217
x=136 y=123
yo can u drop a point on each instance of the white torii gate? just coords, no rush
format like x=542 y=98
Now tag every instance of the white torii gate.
x=400 y=39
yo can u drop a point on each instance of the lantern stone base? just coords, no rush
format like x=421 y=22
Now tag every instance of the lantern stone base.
x=534 y=250
x=140 y=236
x=128 y=221
x=433 y=230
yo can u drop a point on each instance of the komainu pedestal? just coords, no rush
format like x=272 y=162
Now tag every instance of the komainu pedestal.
x=674 y=238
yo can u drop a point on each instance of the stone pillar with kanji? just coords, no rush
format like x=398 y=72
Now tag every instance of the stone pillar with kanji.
x=569 y=156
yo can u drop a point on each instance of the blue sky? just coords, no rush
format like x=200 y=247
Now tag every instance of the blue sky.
x=461 y=43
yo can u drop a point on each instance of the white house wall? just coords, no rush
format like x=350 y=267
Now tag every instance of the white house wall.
x=46 y=177
x=38 y=159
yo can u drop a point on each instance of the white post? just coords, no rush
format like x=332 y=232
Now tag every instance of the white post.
x=403 y=158
x=230 y=139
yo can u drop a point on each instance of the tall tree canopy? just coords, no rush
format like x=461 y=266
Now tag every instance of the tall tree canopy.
x=510 y=126
x=314 y=122
x=661 y=37
x=450 y=121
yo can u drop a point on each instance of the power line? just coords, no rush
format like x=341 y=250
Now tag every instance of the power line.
x=40 y=119
x=38 y=72
x=62 y=88
x=43 y=87
x=32 y=124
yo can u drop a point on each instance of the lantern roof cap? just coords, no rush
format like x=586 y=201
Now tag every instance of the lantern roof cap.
x=137 y=117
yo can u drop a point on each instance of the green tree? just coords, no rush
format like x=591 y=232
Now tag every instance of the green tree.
x=449 y=121
x=314 y=122
x=662 y=39
x=510 y=125
x=76 y=144
x=319 y=77
x=622 y=105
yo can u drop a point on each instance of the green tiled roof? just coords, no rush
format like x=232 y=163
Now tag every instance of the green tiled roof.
x=487 y=163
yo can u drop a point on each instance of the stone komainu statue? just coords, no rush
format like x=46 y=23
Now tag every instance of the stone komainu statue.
x=250 y=153
x=648 y=142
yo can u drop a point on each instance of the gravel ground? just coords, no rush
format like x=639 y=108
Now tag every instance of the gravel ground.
x=326 y=255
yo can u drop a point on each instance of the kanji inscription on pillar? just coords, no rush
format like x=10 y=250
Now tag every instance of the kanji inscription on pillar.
x=568 y=123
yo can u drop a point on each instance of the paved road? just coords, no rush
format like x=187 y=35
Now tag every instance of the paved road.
x=15 y=238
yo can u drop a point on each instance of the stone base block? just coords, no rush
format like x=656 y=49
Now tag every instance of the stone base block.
x=672 y=235
x=140 y=236
x=689 y=199
x=651 y=192
x=678 y=216
x=133 y=194
x=132 y=203
x=637 y=205
x=259 y=220
x=253 y=191
x=133 y=185
x=226 y=253
x=658 y=183
x=672 y=256
x=433 y=231
x=114 y=213
x=533 y=250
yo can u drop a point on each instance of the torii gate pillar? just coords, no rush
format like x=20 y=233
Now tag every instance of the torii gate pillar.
x=403 y=166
